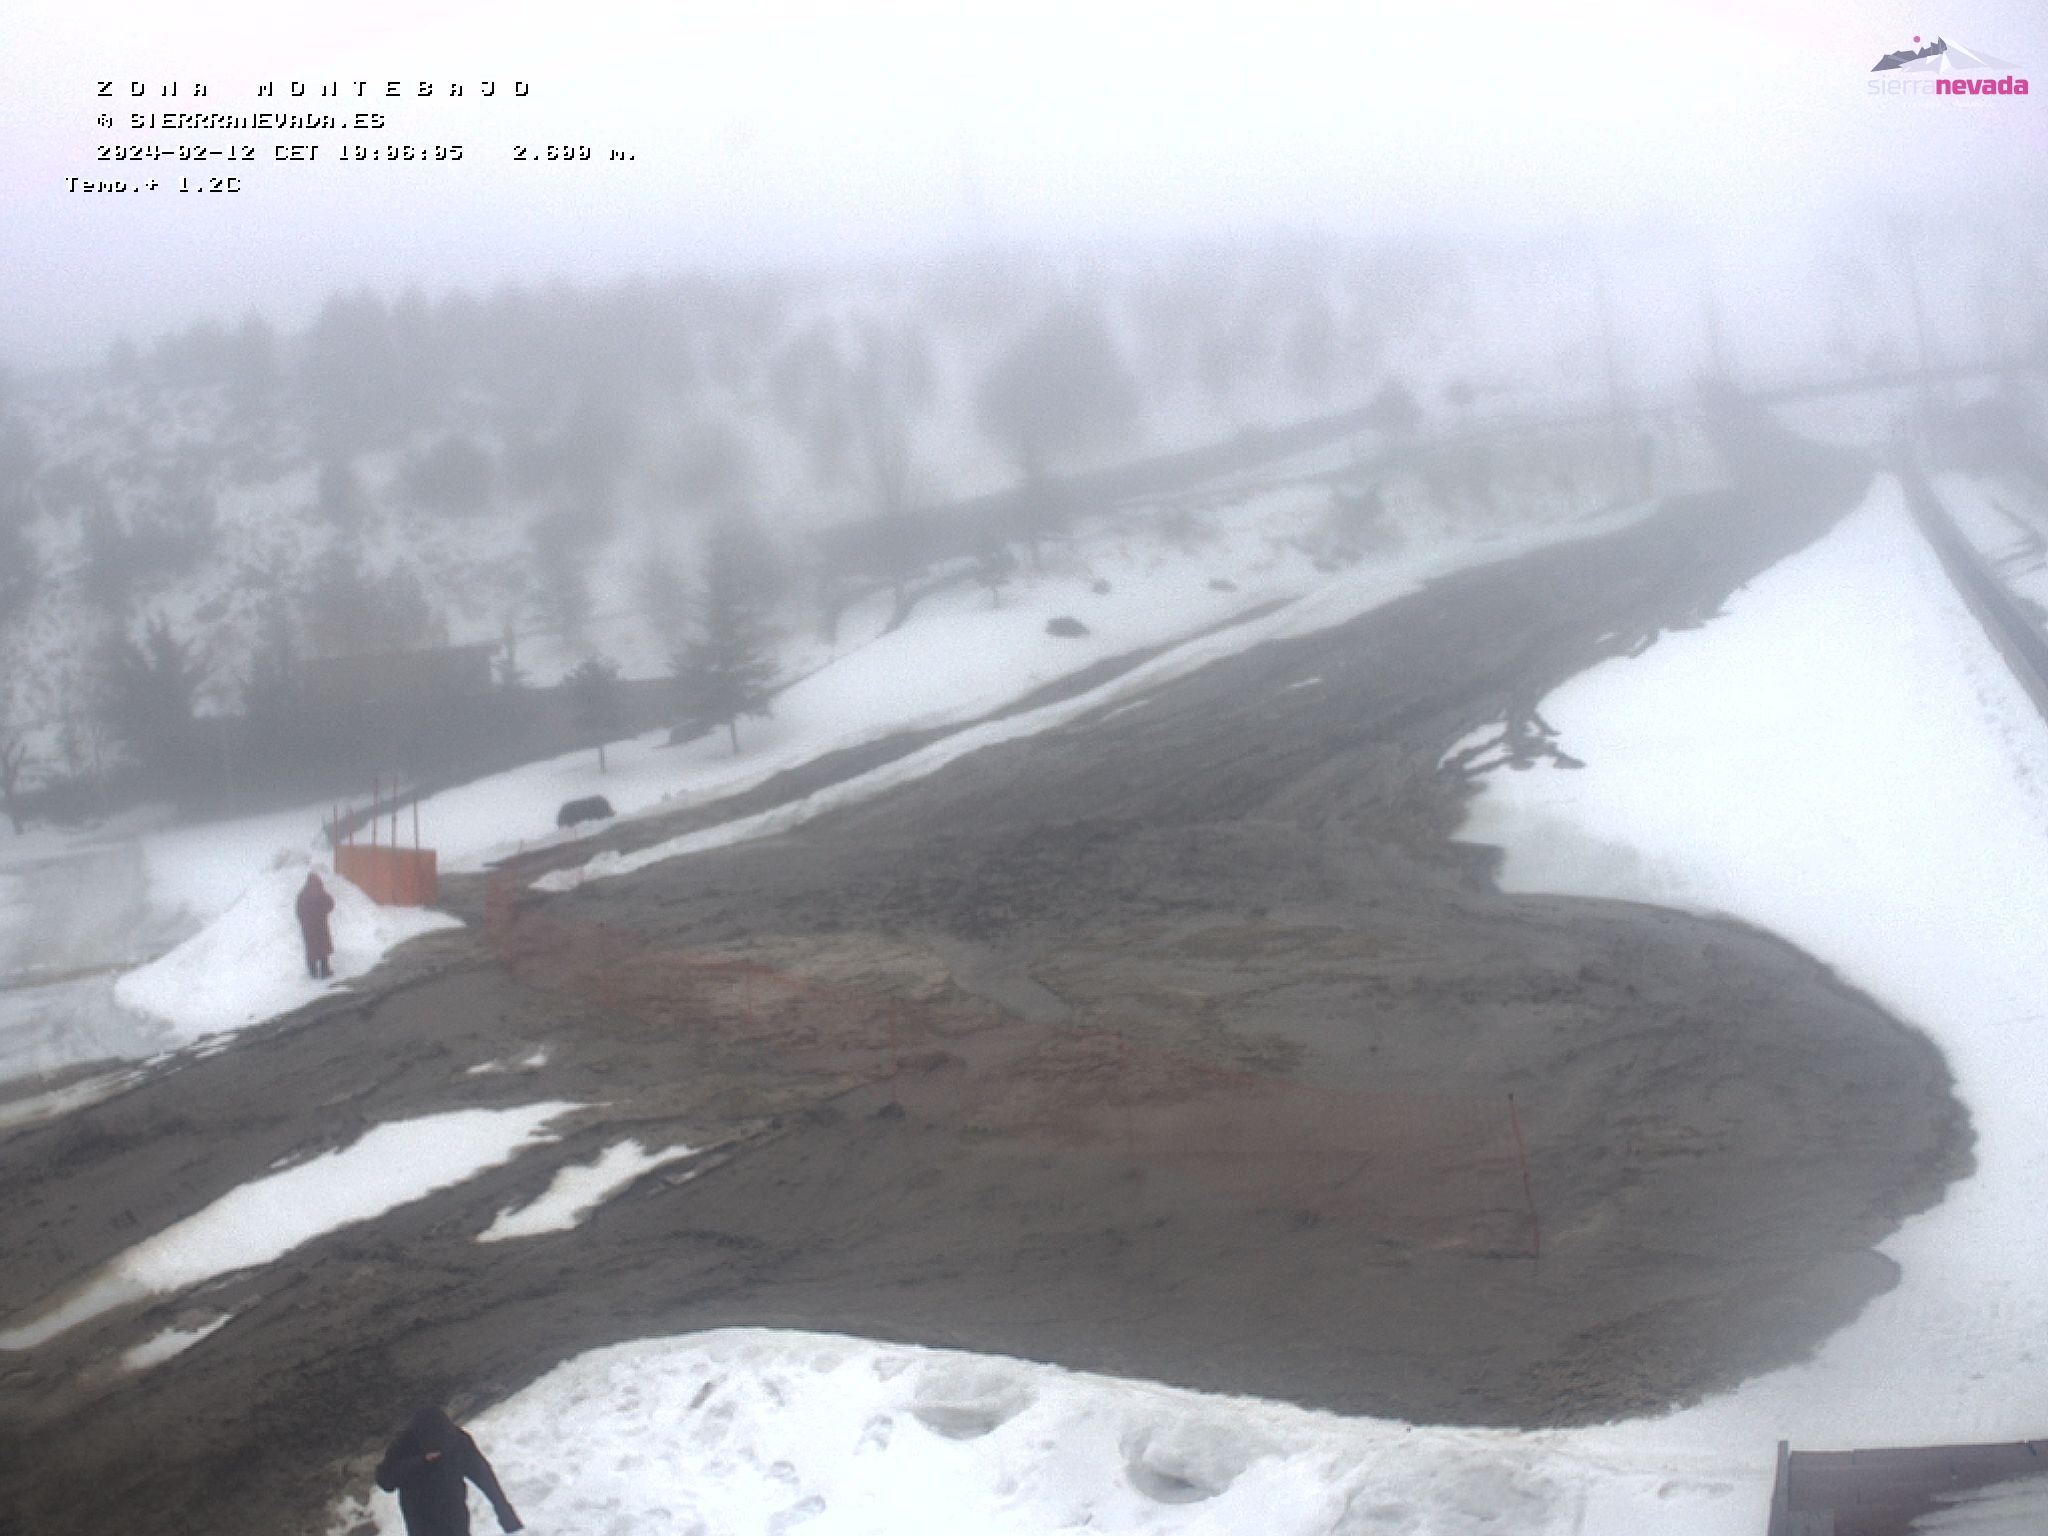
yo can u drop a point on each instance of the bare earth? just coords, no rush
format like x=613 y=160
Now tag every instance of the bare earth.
x=1179 y=1044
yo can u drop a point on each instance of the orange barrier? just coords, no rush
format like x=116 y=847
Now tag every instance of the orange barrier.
x=391 y=877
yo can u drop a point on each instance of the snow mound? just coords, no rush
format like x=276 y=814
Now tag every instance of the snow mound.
x=755 y=1430
x=248 y=964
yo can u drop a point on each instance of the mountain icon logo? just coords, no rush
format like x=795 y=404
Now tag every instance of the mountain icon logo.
x=1941 y=57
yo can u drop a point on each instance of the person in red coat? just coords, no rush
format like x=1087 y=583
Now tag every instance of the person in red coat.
x=314 y=904
x=430 y=1467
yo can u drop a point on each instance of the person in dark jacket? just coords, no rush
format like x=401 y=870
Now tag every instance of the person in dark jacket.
x=313 y=906
x=429 y=1467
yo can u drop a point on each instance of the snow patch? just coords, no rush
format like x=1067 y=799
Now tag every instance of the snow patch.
x=171 y=1342
x=389 y=1166
x=529 y=1063
x=578 y=1190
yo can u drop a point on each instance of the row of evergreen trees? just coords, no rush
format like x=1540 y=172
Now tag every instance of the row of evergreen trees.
x=132 y=723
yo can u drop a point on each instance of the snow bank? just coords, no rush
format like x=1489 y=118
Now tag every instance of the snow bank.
x=580 y=1189
x=756 y=1431
x=259 y=1222
x=248 y=964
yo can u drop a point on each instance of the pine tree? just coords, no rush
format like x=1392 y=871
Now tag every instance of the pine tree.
x=994 y=565
x=728 y=670
x=149 y=688
x=594 y=698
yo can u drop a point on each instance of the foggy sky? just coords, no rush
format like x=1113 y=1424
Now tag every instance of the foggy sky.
x=791 y=135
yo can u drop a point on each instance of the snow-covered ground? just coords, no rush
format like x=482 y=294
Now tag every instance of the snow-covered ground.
x=1841 y=757
x=748 y=1432
x=389 y=1166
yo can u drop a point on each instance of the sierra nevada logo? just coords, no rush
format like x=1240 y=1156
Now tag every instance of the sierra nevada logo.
x=1943 y=68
